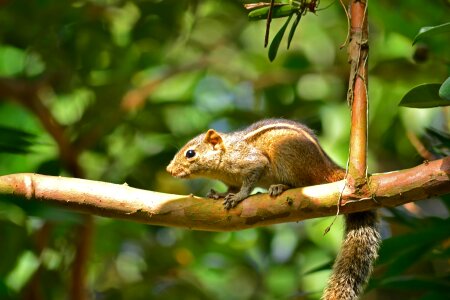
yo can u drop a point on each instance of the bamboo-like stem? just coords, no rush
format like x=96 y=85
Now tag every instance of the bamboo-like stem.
x=124 y=202
x=358 y=53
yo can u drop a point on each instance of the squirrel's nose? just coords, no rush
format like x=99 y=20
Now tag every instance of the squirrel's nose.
x=169 y=169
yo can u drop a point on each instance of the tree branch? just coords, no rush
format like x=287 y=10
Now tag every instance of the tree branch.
x=124 y=202
x=358 y=52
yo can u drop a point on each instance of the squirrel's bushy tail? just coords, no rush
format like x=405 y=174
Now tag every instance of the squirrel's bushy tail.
x=353 y=265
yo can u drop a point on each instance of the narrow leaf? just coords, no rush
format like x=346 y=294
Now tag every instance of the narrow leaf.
x=428 y=236
x=441 y=136
x=424 y=96
x=415 y=283
x=444 y=90
x=431 y=30
x=293 y=28
x=257 y=4
x=278 y=12
x=325 y=266
x=273 y=49
x=14 y=140
x=405 y=259
x=439 y=141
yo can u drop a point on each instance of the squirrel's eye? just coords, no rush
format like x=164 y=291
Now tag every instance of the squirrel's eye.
x=190 y=153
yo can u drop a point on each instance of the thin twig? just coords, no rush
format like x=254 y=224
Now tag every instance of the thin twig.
x=419 y=146
x=348 y=25
x=269 y=20
x=339 y=202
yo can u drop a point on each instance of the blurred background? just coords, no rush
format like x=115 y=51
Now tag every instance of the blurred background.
x=109 y=90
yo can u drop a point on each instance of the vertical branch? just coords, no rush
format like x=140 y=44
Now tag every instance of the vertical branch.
x=69 y=156
x=358 y=51
x=84 y=235
x=27 y=94
x=33 y=289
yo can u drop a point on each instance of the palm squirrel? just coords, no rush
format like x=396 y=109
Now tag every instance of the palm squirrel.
x=280 y=154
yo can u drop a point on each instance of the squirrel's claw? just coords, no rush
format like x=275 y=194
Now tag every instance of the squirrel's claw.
x=214 y=195
x=231 y=200
x=277 y=189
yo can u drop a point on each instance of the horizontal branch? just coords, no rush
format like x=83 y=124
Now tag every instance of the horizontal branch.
x=124 y=202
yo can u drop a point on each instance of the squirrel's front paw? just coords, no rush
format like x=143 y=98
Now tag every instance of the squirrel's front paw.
x=277 y=189
x=214 y=195
x=231 y=200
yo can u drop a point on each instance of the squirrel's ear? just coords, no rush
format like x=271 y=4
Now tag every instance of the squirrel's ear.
x=213 y=137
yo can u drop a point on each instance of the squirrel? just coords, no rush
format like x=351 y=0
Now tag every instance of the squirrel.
x=279 y=154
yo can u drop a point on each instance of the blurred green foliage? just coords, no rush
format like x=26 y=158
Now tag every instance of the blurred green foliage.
x=130 y=82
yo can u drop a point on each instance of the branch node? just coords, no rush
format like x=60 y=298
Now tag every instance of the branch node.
x=28 y=184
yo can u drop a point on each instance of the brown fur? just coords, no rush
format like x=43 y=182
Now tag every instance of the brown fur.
x=278 y=154
x=353 y=265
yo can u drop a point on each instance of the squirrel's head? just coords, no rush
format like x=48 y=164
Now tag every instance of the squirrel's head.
x=198 y=157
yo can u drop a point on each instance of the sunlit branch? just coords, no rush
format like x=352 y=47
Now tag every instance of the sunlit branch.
x=124 y=202
x=358 y=52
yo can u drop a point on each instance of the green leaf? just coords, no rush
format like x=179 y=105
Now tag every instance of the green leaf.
x=431 y=288
x=424 y=96
x=431 y=30
x=441 y=136
x=439 y=141
x=14 y=140
x=293 y=28
x=12 y=61
x=444 y=90
x=277 y=12
x=415 y=283
x=428 y=236
x=434 y=295
x=406 y=259
x=325 y=266
x=273 y=49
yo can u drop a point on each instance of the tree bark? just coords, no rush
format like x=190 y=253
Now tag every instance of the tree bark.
x=358 y=52
x=124 y=202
